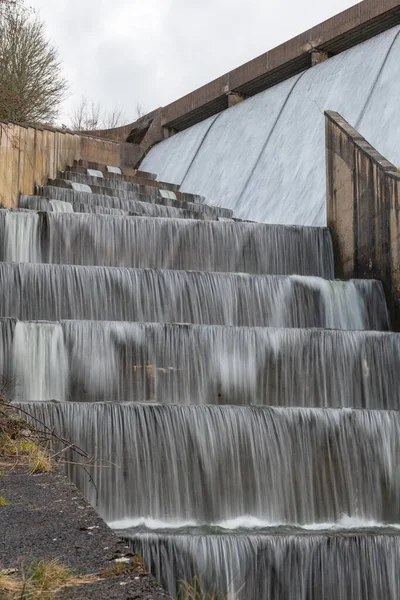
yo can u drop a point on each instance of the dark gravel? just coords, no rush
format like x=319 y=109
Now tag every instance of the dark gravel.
x=47 y=517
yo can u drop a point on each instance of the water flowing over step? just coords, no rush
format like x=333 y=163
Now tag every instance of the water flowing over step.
x=129 y=201
x=277 y=567
x=143 y=186
x=97 y=361
x=127 y=174
x=203 y=465
x=132 y=207
x=70 y=238
x=58 y=292
x=39 y=203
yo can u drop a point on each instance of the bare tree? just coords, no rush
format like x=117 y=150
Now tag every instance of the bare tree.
x=140 y=112
x=31 y=83
x=89 y=116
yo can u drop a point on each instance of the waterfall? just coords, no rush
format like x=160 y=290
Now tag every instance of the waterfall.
x=7 y=378
x=109 y=293
x=214 y=464
x=240 y=406
x=278 y=567
x=69 y=238
x=61 y=207
x=206 y=364
x=20 y=235
x=44 y=204
x=132 y=202
x=40 y=361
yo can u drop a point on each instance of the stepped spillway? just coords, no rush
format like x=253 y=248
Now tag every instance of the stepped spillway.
x=279 y=567
x=264 y=157
x=214 y=368
x=109 y=293
x=89 y=361
x=210 y=465
x=81 y=239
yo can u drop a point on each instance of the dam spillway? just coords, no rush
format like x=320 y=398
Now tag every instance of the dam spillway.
x=264 y=157
x=242 y=404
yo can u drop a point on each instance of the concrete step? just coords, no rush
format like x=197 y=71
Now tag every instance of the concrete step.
x=42 y=204
x=134 y=205
x=147 y=187
x=139 y=177
x=87 y=164
x=120 y=195
x=61 y=236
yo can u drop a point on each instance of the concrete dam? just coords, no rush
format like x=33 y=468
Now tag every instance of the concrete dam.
x=184 y=324
x=264 y=158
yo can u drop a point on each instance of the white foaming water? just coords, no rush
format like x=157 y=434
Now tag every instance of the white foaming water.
x=347 y=522
x=115 y=170
x=59 y=206
x=40 y=361
x=80 y=187
x=21 y=237
x=251 y=523
x=340 y=302
x=149 y=523
x=95 y=173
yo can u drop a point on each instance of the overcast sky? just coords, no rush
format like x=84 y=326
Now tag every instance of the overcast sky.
x=151 y=52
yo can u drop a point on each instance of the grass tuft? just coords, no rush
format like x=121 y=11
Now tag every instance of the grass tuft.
x=41 y=581
x=47 y=576
x=194 y=591
x=26 y=452
x=3 y=501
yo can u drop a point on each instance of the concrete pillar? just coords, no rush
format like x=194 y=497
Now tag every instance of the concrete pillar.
x=318 y=56
x=168 y=131
x=235 y=98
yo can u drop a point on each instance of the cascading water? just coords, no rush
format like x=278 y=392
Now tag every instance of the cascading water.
x=278 y=567
x=92 y=203
x=40 y=203
x=20 y=236
x=211 y=465
x=61 y=207
x=40 y=361
x=222 y=413
x=206 y=364
x=132 y=202
x=79 y=292
x=173 y=244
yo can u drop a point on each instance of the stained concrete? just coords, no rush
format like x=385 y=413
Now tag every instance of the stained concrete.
x=363 y=200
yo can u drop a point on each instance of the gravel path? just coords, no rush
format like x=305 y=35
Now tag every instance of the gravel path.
x=47 y=517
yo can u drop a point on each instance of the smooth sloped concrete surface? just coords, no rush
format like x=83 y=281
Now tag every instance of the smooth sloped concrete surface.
x=265 y=157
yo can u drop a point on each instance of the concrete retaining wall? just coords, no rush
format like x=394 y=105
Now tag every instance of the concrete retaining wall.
x=363 y=208
x=30 y=155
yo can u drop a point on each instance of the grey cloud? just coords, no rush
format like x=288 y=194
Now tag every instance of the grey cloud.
x=154 y=51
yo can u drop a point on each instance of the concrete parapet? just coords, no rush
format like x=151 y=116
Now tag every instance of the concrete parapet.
x=363 y=207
